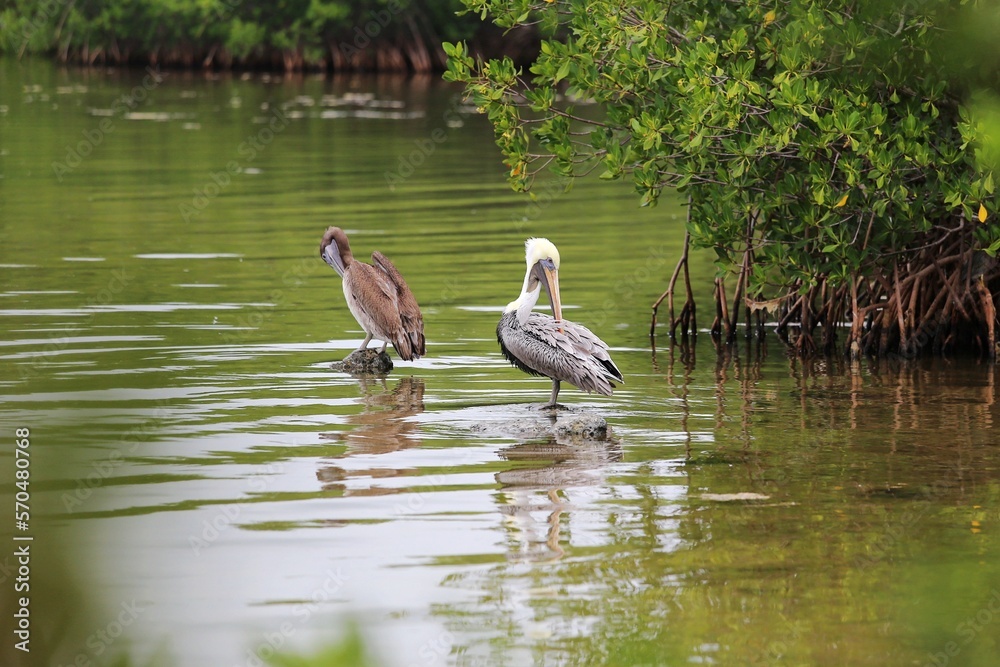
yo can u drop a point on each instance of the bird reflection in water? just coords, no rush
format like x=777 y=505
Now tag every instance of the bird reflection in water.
x=381 y=428
x=534 y=500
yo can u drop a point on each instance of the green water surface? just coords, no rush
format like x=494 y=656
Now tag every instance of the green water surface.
x=206 y=491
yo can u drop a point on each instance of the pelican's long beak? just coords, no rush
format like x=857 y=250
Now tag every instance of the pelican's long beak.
x=331 y=255
x=549 y=277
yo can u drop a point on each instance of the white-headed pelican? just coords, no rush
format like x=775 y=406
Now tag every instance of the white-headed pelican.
x=551 y=346
x=377 y=296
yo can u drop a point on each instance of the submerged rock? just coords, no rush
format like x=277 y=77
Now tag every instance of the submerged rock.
x=588 y=427
x=368 y=361
x=563 y=425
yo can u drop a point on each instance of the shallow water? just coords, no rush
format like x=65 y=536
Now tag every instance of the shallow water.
x=205 y=489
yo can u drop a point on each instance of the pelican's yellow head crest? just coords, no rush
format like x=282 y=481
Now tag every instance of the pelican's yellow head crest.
x=536 y=250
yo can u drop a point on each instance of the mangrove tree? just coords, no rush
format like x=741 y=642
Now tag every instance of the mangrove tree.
x=827 y=152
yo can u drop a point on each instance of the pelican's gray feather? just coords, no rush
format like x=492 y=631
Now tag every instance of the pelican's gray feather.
x=563 y=350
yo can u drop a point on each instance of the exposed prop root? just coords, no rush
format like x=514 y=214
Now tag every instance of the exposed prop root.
x=687 y=321
x=938 y=299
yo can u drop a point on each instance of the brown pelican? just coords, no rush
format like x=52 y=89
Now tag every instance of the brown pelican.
x=377 y=296
x=556 y=348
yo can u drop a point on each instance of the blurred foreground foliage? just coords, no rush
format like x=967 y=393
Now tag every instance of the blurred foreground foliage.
x=351 y=651
x=837 y=156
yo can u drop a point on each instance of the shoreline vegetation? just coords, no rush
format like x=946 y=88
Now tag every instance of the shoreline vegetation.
x=294 y=36
x=839 y=158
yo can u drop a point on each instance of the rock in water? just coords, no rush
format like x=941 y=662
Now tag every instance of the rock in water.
x=587 y=427
x=368 y=361
x=567 y=425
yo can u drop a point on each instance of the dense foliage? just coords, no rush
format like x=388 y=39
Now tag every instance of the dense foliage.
x=826 y=151
x=293 y=34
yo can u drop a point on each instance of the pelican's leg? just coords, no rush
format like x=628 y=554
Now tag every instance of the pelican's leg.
x=364 y=343
x=385 y=344
x=555 y=394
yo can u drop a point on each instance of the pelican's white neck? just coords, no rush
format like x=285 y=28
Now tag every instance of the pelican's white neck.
x=524 y=303
x=535 y=250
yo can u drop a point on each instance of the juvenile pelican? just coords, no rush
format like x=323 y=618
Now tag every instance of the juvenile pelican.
x=377 y=296
x=556 y=348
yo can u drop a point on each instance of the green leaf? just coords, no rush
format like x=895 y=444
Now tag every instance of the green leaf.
x=563 y=71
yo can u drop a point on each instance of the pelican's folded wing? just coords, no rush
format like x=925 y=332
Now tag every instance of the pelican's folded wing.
x=561 y=350
x=409 y=312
